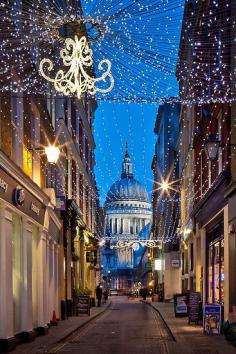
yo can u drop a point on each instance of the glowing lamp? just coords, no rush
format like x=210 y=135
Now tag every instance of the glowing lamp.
x=77 y=58
x=165 y=186
x=101 y=243
x=52 y=153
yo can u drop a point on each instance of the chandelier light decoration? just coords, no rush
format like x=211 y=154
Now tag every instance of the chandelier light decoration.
x=40 y=53
x=135 y=244
x=77 y=56
x=142 y=39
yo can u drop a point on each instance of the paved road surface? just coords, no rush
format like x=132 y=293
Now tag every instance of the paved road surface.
x=128 y=327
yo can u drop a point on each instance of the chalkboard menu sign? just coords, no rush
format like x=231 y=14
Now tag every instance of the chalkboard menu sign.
x=83 y=305
x=194 y=304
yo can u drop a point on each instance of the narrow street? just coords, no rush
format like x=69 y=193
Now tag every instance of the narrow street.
x=118 y=176
x=128 y=326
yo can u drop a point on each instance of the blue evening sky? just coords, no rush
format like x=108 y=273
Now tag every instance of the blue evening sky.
x=141 y=41
x=116 y=124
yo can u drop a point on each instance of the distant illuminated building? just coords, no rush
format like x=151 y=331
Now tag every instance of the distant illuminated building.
x=128 y=215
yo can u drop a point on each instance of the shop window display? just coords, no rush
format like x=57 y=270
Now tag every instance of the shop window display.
x=215 y=279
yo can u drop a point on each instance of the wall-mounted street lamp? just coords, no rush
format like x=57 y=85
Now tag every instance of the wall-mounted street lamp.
x=52 y=152
x=212 y=145
x=165 y=186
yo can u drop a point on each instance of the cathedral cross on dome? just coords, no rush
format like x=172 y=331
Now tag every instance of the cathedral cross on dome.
x=127 y=166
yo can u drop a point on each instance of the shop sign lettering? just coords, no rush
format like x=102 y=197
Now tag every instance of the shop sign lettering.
x=35 y=209
x=3 y=185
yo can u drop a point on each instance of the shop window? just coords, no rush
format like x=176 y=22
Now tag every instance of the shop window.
x=215 y=265
x=27 y=161
x=87 y=205
x=90 y=257
x=91 y=214
x=74 y=179
x=6 y=131
x=191 y=257
x=183 y=263
x=17 y=278
x=81 y=192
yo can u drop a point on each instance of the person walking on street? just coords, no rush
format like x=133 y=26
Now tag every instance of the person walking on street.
x=99 y=294
x=105 y=294
x=145 y=294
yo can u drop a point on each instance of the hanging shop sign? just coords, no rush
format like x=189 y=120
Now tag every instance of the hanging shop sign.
x=175 y=263
x=212 y=318
x=61 y=202
x=18 y=196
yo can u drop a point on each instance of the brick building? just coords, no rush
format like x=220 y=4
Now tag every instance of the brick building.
x=204 y=76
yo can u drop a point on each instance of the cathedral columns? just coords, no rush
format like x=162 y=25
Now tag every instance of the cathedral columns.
x=113 y=225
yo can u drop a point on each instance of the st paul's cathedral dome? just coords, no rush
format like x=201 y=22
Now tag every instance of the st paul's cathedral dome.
x=127 y=213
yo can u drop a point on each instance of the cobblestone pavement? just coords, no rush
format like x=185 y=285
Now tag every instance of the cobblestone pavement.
x=128 y=327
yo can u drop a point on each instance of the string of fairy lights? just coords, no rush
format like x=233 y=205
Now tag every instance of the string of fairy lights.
x=141 y=40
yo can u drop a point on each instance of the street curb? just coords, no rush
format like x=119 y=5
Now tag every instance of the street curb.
x=63 y=339
x=56 y=346
x=159 y=313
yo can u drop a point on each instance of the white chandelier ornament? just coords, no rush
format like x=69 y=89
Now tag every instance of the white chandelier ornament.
x=134 y=243
x=78 y=57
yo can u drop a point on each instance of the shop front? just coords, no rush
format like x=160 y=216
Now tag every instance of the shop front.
x=72 y=257
x=211 y=247
x=215 y=261
x=26 y=264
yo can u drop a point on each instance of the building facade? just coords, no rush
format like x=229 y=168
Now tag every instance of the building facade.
x=206 y=155
x=30 y=235
x=166 y=202
x=127 y=212
x=48 y=224
x=77 y=194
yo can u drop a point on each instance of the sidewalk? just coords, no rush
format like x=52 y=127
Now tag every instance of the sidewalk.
x=57 y=333
x=189 y=338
